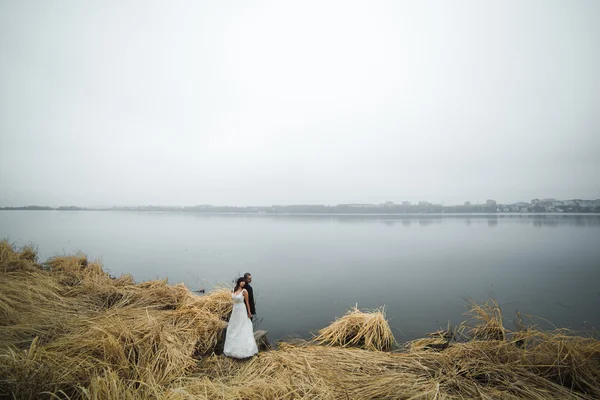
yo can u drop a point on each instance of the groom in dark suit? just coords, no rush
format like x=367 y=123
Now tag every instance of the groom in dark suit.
x=248 y=277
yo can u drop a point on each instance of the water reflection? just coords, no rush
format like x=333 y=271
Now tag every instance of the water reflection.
x=538 y=222
x=552 y=220
x=423 y=220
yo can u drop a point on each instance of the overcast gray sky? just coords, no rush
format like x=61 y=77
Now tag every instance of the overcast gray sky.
x=249 y=102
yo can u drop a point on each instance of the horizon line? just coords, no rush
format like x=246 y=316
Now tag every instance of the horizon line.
x=390 y=203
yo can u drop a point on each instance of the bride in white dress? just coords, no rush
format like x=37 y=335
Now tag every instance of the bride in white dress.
x=239 y=339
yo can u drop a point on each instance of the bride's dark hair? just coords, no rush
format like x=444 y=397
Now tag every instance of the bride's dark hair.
x=237 y=284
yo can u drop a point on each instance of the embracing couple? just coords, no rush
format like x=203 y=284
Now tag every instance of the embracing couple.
x=239 y=339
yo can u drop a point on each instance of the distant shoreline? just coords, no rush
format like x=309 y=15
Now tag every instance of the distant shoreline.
x=318 y=214
x=536 y=206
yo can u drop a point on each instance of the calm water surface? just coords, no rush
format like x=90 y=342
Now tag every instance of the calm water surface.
x=309 y=269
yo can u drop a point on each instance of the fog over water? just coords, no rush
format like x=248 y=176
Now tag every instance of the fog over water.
x=326 y=102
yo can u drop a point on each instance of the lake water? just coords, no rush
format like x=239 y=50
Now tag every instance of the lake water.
x=308 y=270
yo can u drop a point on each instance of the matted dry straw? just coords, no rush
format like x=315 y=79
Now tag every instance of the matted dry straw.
x=366 y=329
x=66 y=322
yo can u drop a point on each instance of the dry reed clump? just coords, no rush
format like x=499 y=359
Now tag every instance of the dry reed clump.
x=439 y=340
x=217 y=302
x=369 y=330
x=12 y=259
x=488 y=321
x=62 y=337
x=76 y=270
x=29 y=253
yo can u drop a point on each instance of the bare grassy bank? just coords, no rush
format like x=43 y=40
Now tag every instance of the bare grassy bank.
x=68 y=330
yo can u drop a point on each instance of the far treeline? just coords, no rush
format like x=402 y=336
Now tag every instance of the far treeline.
x=536 y=206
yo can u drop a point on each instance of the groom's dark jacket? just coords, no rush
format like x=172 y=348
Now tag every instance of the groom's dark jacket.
x=251 y=299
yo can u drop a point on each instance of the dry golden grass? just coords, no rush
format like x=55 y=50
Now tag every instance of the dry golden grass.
x=488 y=321
x=12 y=259
x=69 y=330
x=369 y=330
x=65 y=325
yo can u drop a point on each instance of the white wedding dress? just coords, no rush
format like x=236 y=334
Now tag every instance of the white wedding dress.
x=239 y=340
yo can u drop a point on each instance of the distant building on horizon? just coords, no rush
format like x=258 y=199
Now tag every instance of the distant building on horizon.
x=490 y=202
x=359 y=205
x=203 y=206
x=587 y=203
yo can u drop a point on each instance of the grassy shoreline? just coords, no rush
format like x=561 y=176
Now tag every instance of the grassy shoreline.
x=70 y=331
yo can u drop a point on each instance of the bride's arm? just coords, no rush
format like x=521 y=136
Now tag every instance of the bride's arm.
x=245 y=293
